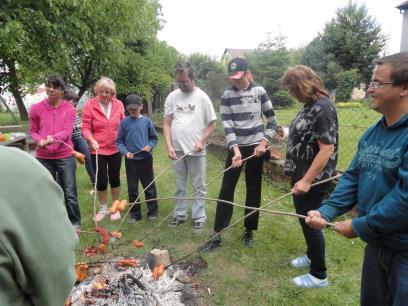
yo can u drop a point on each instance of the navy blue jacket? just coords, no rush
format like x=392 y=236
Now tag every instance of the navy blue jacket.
x=134 y=134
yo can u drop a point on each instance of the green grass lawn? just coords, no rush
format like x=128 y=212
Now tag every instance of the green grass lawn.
x=236 y=275
x=7 y=119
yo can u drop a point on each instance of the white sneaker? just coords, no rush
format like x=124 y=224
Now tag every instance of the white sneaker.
x=300 y=262
x=309 y=281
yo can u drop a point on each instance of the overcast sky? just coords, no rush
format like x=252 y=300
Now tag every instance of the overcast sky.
x=210 y=26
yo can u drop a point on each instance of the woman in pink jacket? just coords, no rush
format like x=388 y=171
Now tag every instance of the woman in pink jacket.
x=101 y=117
x=51 y=121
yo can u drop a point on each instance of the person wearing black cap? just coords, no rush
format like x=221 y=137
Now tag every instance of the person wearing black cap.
x=243 y=107
x=136 y=139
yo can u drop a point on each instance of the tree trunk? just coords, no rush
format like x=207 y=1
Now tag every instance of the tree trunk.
x=15 y=90
x=149 y=107
x=85 y=79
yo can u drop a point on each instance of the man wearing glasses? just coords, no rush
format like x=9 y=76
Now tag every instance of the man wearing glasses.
x=189 y=119
x=377 y=182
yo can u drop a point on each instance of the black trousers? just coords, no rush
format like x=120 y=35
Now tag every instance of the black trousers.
x=141 y=170
x=253 y=180
x=108 y=169
x=314 y=238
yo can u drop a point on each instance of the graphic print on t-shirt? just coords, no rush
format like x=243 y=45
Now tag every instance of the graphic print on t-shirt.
x=190 y=108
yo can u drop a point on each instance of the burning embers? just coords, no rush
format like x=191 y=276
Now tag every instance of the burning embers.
x=131 y=282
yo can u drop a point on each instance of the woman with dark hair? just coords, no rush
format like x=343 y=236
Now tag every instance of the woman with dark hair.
x=311 y=156
x=101 y=117
x=51 y=124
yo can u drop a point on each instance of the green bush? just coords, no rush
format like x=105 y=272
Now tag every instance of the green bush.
x=346 y=81
x=282 y=98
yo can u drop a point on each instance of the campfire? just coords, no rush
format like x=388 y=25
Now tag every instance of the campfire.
x=134 y=281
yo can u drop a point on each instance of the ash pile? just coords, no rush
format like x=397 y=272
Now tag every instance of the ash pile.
x=136 y=282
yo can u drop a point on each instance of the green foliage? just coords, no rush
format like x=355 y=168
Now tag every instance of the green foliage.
x=281 y=98
x=101 y=46
x=350 y=41
x=354 y=38
x=216 y=84
x=203 y=64
x=98 y=38
x=269 y=62
x=210 y=74
x=346 y=81
x=147 y=69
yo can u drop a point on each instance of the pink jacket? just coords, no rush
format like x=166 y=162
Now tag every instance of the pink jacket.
x=102 y=129
x=57 y=122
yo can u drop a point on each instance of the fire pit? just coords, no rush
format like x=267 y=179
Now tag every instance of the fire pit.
x=112 y=284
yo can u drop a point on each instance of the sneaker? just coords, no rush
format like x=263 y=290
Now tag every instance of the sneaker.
x=212 y=244
x=102 y=213
x=248 y=239
x=176 y=222
x=115 y=216
x=198 y=227
x=152 y=217
x=132 y=219
x=309 y=281
x=300 y=262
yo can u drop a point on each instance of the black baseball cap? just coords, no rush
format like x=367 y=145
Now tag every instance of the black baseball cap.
x=237 y=67
x=133 y=102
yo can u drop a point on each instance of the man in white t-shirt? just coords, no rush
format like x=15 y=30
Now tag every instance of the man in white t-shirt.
x=189 y=119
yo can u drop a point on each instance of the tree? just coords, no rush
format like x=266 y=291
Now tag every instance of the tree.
x=36 y=39
x=202 y=64
x=148 y=71
x=346 y=81
x=352 y=40
x=268 y=64
x=215 y=86
x=26 y=42
x=103 y=47
x=210 y=75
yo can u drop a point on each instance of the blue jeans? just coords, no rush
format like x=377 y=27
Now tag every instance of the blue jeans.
x=65 y=169
x=81 y=146
x=193 y=166
x=384 y=280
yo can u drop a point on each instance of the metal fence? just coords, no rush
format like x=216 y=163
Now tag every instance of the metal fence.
x=354 y=118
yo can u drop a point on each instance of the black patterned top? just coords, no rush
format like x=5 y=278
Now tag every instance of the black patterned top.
x=316 y=121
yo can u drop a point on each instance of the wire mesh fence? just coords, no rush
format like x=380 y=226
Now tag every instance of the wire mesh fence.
x=354 y=119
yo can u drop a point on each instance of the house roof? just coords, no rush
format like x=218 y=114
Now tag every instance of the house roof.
x=237 y=52
x=403 y=6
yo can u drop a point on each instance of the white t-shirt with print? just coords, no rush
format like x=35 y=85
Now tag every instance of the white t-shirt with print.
x=191 y=114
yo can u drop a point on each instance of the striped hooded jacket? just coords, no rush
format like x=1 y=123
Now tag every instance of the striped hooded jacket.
x=242 y=114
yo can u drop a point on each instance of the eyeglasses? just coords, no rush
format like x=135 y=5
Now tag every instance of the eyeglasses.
x=376 y=84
